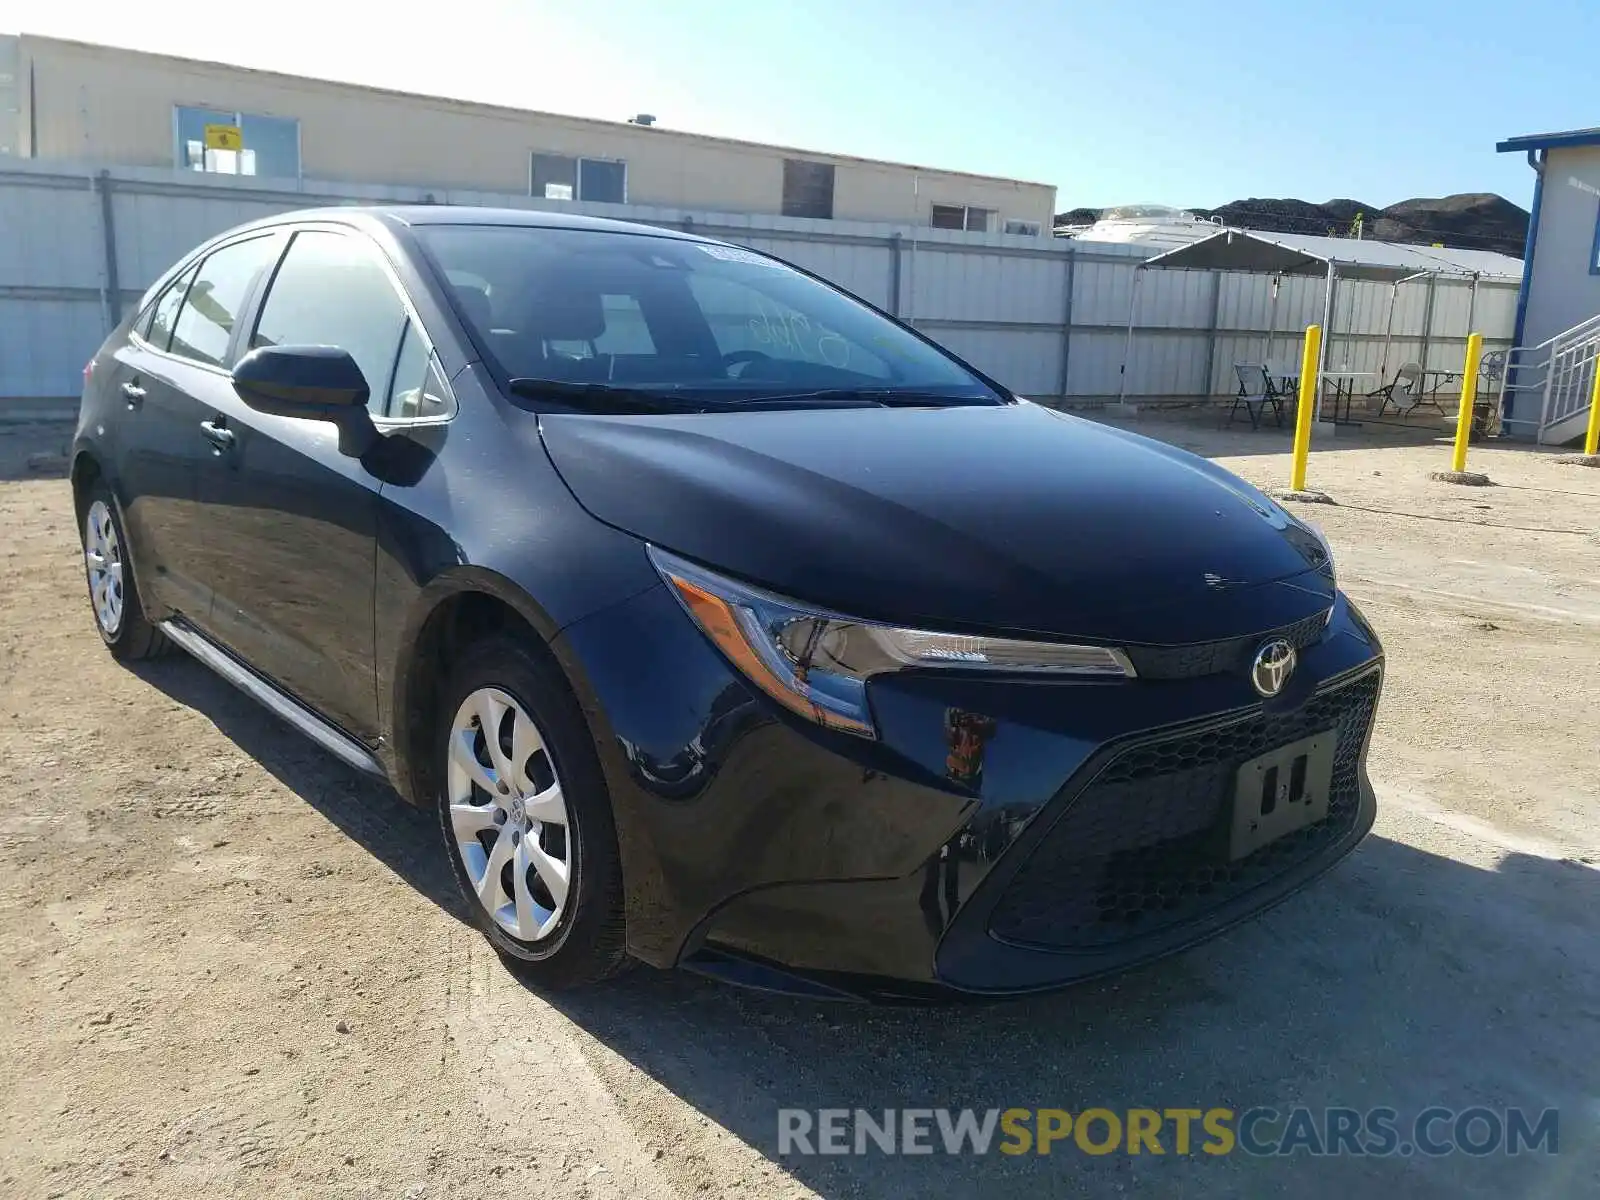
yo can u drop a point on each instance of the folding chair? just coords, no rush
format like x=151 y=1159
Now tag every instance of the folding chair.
x=1404 y=391
x=1285 y=396
x=1285 y=376
x=1256 y=392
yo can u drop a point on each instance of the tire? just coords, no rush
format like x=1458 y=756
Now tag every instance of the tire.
x=550 y=941
x=113 y=593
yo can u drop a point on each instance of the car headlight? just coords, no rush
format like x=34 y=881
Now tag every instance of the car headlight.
x=1326 y=565
x=817 y=663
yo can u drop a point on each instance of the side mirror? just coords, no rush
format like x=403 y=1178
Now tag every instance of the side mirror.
x=321 y=382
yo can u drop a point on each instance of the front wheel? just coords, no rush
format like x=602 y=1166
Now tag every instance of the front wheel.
x=526 y=818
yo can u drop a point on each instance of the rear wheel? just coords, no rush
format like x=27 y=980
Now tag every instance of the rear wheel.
x=526 y=818
x=118 y=612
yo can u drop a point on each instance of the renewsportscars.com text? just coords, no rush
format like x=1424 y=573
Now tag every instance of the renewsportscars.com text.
x=1261 y=1131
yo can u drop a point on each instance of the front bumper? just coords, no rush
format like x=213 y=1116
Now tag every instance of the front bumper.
x=1001 y=837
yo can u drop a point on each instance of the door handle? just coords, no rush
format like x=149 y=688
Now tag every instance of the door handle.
x=133 y=394
x=218 y=435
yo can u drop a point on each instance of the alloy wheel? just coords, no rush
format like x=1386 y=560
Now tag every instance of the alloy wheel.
x=508 y=816
x=102 y=554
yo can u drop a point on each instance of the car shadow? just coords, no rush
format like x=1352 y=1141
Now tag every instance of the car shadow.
x=1402 y=978
x=401 y=836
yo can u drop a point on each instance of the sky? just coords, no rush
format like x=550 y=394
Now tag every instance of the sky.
x=1115 y=102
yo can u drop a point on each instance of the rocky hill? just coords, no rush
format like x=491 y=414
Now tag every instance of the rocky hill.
x=1474 y=221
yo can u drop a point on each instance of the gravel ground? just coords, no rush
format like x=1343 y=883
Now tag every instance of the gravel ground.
x=236 y=968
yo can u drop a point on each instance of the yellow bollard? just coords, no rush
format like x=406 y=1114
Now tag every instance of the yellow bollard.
x=1308 y=402
x=1469 y=392
x=1591 y=439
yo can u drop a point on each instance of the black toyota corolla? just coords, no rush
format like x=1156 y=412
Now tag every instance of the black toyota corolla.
x=723 y=620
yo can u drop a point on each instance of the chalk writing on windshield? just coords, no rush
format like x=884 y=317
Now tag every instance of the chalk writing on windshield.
x=793 y=334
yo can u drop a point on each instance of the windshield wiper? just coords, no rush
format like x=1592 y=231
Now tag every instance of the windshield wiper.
x=644 y=400
x=594 y=395
x=612 y=398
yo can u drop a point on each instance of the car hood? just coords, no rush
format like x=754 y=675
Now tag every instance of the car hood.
x=1008 y=519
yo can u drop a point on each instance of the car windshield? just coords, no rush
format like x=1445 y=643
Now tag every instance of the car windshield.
x=686 y=320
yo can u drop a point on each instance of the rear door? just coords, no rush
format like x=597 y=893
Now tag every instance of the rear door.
x=155 y=465
x=165 y=375
x=291 y=518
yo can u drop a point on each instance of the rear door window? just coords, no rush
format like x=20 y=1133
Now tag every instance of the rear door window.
x=331 y=290
x=216 y=298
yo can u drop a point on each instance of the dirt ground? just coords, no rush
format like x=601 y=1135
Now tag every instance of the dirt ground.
x=235 y=968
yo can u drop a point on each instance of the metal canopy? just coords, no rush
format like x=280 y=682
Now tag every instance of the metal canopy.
x=1333 y=259
x=1303 y=254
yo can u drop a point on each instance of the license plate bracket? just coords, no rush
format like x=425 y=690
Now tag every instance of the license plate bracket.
x=1281 y=791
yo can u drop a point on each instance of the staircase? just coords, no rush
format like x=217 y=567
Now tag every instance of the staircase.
x=1552 y=383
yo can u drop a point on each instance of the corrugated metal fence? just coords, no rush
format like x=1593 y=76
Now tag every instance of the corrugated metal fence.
x=1047 y=317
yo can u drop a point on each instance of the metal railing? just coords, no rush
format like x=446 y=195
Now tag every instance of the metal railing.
x=1560 y=370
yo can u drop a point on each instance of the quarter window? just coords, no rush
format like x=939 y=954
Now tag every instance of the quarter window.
x=204 y=325
x=157 y=325
x=565 y=177
x=418 y=389
x=237 y=143
x=330 y=290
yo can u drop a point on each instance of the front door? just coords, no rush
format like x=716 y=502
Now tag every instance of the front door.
x=291 y=517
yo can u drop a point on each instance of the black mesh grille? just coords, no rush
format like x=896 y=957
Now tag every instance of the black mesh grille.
x=1145 y=846
x=1219 y=658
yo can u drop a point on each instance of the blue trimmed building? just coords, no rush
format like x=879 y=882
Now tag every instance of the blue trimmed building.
x=1561 y=263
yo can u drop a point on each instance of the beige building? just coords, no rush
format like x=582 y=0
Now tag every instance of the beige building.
x=70 y=100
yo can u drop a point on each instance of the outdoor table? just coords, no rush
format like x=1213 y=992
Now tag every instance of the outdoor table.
x=1343 y=384
x=1433 y=380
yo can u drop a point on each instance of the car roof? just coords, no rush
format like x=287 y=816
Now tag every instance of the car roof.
x=411 y=215
x=453 y=214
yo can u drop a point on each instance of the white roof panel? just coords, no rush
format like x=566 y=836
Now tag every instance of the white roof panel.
x=1308 y=254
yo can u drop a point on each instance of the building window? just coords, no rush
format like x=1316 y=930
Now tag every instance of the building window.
x=561 y=177
x=603 y=179
x=1023 y=228
x=807 y=189
x=235 y=143
x=960 y=216
x=553 y=177
x=1594 y=248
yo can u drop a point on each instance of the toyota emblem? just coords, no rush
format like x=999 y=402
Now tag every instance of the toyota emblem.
x=1274 y=664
